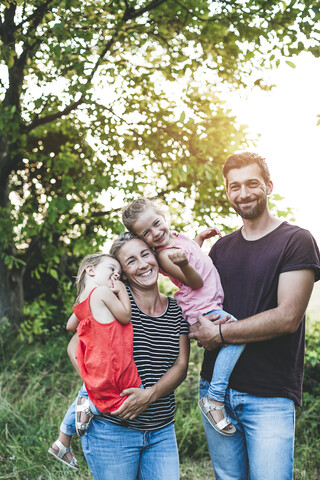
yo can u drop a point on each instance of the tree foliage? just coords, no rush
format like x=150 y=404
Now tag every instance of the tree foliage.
x=119 y=98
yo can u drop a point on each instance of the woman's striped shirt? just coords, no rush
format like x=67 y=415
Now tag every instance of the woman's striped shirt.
x=155 y=349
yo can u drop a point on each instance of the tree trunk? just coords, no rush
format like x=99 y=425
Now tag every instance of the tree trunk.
x=11 y=293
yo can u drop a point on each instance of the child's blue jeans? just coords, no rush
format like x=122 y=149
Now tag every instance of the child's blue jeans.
x=68 y=425
x=225 y=363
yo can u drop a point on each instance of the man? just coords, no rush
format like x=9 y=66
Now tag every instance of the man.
x=267 y=269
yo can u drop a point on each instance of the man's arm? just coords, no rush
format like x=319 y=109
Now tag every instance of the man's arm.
x=294 y=291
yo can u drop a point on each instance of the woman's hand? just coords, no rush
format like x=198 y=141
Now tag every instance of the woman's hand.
x=138 y=400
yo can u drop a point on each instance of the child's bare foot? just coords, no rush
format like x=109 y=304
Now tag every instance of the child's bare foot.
x=216 y=415
x=64 y=454
x=83 y=415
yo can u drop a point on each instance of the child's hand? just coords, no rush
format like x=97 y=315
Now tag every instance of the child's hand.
x=118 y=286
x=208 y=233
x=179 y=258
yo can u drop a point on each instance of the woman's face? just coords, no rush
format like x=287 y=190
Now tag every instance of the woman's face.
x=139 y=265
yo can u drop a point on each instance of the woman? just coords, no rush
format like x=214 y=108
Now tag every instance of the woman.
x=137 y=441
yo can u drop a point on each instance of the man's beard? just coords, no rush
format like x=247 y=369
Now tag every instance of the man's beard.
x=253 y=212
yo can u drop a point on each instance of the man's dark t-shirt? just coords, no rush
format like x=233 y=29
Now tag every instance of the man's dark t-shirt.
x=249 y=272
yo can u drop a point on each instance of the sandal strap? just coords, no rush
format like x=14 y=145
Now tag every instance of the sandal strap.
x=62 y=449
x=207 y=406
x=85 y=408
x=223 y=423
x=74 y=462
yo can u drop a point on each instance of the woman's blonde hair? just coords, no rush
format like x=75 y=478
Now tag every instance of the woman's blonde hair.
x=134 y=210
x=93 y=259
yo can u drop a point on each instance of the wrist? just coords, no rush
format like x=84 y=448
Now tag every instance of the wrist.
x=152 y=394
x=223 y=342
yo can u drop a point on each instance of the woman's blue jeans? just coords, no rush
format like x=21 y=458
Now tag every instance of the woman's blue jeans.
x=262 y=447
x=224 y=365
x=116 y=453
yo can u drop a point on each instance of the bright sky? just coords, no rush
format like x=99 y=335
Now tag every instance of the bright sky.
x=286 y=120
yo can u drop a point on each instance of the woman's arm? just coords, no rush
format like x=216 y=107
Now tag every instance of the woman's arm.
x=71 y=349
x=72 y=323
x=175 y=263
x=139 y=399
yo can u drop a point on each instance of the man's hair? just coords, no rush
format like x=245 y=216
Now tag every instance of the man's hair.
x=134 y=210
x=239 y=160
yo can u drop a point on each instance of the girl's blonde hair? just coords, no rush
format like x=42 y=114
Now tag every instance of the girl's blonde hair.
x=93 y=259
x=134 y=210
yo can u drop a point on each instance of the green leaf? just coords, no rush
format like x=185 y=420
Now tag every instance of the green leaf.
x=291 y=64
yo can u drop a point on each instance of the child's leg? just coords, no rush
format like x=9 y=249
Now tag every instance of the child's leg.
x=225 y=363
x=213 y=405
x=61 y=447
x=84 y=411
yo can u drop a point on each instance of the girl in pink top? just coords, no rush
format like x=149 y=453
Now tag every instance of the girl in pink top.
x=199 y=293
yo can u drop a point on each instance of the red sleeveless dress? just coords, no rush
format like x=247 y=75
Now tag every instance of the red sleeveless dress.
x=105 y=358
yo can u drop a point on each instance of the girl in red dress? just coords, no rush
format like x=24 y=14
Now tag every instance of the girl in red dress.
x=102 y=314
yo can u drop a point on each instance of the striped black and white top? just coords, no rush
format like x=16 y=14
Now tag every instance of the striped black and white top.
x=155 y=349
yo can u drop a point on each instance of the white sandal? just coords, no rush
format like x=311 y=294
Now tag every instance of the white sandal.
x=84 y=407
x=62 y=450
x=206 y=406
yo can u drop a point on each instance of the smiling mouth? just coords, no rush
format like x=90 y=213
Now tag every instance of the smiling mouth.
x=160 y=239
x=146 y=274
x=244 y=204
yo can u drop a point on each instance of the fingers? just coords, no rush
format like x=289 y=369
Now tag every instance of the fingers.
x=211 y=232
x=225 y=319
x=178 y=256
x=211 y=316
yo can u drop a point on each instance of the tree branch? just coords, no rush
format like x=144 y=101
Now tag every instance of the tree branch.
x=54 y=116
x=37 y=13
x=131 y=14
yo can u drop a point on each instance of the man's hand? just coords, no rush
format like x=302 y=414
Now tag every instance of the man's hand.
x=138 y=400
x=207 y=332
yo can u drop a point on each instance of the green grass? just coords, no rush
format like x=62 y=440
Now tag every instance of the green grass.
x=37 y=383
x=314 y=304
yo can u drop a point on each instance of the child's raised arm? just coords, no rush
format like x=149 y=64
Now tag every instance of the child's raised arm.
x=118 y=302
x=175 y=263
x=208 y=233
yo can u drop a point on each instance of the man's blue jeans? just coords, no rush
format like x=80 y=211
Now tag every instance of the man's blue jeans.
x=262 y=447
x=117 y=453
